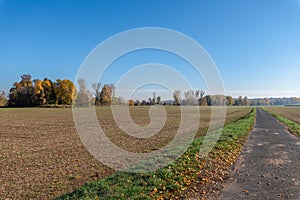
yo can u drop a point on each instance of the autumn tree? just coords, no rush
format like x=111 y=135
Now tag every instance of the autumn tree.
x=39 y=93
x=215 y=100
x=49 y=92
x=114 y=99
x=267 y=101
x=176 y=96
x=106 y=95
x=3 y=99
x=131 y=102
x=22 y=93
x=65 y=91
x=219 y=100
x=229 y=101
x=36 y=93
x=246 y=101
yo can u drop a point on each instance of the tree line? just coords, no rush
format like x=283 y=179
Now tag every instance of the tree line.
x=198 y=97
x=32 y=93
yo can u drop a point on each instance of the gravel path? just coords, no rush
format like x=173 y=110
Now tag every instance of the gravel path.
x=269 y=166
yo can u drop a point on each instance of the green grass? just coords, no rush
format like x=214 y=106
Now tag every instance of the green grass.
x=172 y=180
x=293 y=127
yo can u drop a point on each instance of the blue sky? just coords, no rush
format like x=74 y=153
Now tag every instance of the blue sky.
x=254 y=43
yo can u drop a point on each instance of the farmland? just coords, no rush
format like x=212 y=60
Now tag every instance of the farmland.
x=289 y=116
x=290 y=112
x=42 y=156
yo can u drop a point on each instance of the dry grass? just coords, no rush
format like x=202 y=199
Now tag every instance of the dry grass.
x=41 y=155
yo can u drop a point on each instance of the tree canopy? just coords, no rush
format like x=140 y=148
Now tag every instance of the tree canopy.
x=29 y=93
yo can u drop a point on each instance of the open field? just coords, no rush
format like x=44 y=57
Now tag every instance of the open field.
x=42 y=156
x=289 y=116
x=290 y=112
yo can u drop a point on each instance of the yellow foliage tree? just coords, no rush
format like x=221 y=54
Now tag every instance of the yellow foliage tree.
x=49 y=91
x=39 y=92
x=65 y=91
x=106 y=95
x=131 y=102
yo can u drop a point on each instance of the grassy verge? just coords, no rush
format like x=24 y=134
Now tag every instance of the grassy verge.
x=175 y=180
x=293 y=127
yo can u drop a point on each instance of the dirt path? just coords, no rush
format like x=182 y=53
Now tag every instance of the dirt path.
x=269 y=166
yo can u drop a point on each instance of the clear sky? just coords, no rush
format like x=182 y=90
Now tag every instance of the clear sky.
x=254 y=43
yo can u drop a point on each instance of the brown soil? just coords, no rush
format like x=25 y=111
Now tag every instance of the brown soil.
x=42 y=157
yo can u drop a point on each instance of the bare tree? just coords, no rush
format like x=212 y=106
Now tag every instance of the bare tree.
x=200 y=97
x=82 y=84
x=176 y=96
x=154 y=98
x=83 y=95
x=189 y=97
x=97 y=87
x=113 y=89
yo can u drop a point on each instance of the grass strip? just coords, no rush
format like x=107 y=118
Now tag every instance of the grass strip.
x=292 y=126
x=173 y=181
